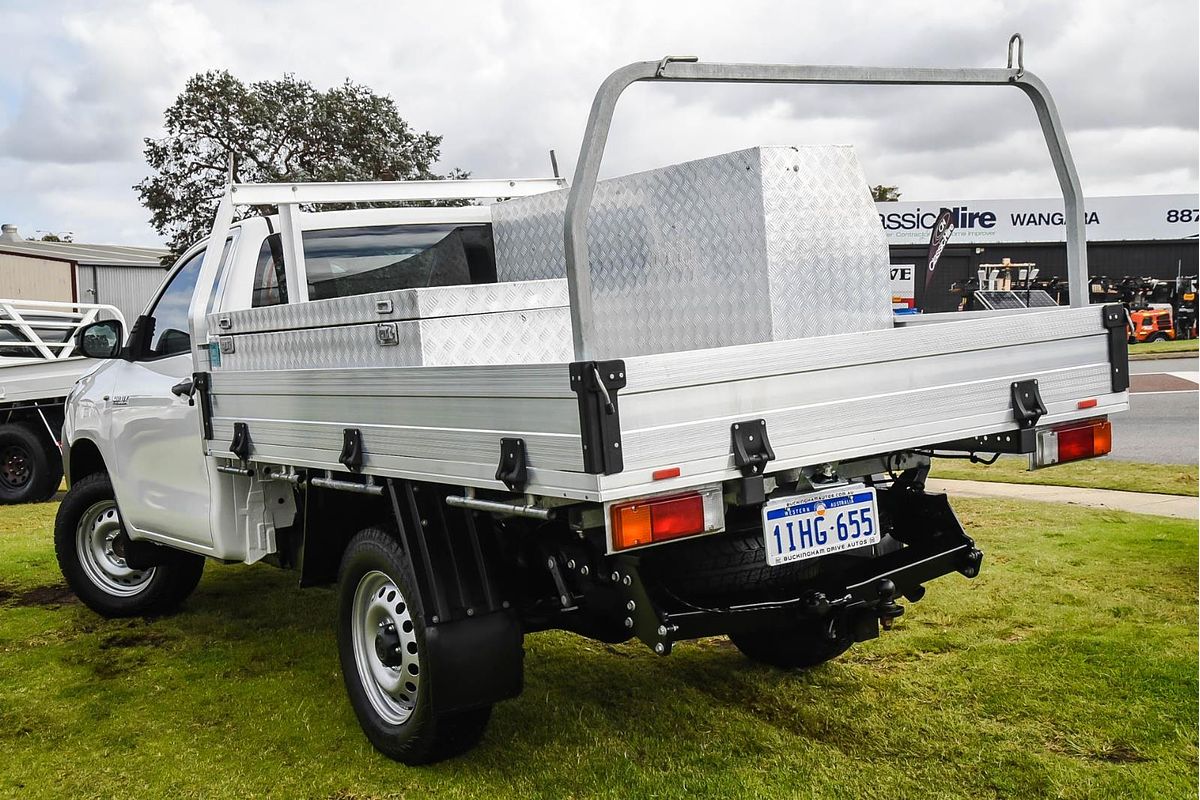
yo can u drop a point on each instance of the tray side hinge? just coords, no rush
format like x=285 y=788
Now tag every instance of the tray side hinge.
x=1027 y=405
x=513 y=469
x=596 y=384
x=751 y=452
x=1118 y=346
x=240 y=445
x=352 y=449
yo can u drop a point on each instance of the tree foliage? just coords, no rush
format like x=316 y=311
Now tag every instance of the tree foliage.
x=885 y=194
x=275 y=130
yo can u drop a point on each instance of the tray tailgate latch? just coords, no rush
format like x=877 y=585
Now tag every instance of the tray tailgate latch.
x=1115 y=319
x=596 y=384
x=1027 y=403
x=513 y=470
x=751 y=453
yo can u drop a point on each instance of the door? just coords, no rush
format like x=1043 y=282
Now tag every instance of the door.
x=157 y=462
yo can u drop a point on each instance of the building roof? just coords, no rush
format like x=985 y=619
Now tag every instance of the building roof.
x=89 y=255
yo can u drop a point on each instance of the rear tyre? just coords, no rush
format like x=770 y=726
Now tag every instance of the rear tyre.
x=801 y=646
x=90 y=543
x=30 y=468
x=383 y=652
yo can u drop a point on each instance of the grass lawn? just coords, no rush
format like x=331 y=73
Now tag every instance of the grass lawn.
x=1068 y=669
x=1177 y=346
x=1096 y=473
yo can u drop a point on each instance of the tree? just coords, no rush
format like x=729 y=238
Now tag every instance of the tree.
x=57 y=237
x=275 y=130
x=885 y=194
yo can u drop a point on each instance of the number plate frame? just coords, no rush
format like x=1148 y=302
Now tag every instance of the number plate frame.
x=820 y=520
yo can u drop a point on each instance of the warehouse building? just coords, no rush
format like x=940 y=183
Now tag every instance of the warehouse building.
x=125 y=277
x=1152 y=236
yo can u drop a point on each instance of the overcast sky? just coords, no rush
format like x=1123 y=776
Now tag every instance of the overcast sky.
x=82 y=83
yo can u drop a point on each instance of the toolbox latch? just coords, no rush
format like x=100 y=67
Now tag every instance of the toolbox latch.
x=1027 y=403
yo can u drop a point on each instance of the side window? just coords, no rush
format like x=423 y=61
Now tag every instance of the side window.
x=270 y=288
x=349 y=261
x=170 y=313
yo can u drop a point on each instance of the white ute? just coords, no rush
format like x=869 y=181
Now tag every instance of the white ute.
x=39 y=364
x=480 y=421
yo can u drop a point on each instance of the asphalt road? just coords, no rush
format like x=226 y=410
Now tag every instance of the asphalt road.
x=1163 y=422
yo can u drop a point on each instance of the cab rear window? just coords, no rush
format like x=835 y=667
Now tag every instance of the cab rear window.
x=349 y=261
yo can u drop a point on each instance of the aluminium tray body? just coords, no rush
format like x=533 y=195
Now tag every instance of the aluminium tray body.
x=823 y=399
x=758 y=245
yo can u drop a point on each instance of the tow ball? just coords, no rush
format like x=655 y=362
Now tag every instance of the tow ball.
x=888 y=609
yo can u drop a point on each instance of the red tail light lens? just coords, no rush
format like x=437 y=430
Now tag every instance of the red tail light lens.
x=1073 y=441
x=658 y=519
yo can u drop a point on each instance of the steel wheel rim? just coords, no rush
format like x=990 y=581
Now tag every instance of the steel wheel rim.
x=100 y=544
x=15 y=470
x=391 y=690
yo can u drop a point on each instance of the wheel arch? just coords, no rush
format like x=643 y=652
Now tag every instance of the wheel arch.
x=81 y=459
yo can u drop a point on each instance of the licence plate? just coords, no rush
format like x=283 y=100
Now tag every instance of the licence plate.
x=819 y=523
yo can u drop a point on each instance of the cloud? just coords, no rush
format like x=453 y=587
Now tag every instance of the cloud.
x=82 y=84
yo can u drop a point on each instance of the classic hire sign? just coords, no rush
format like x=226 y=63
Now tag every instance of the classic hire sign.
x=1111 y=219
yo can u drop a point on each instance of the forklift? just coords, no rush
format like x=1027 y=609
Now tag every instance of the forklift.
x=1159 y=310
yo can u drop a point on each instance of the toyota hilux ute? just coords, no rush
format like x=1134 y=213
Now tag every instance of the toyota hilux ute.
x=659 y=407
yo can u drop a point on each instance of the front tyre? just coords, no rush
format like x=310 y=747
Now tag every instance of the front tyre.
x=383 y=652
x=90 y=543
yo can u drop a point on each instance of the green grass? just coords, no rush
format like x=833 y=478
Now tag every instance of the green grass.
x=1177 y=346
x=1067 y=669
x=1096 y=473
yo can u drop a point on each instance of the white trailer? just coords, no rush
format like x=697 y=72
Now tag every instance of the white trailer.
x=39 y=365
x=355 y=395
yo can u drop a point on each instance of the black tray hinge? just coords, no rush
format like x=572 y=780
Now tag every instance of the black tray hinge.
x=596 y=384
x=352 y=449
x=751 y=452
x=240 y=446
x=512 y=470
x=200 y=386
x=1118 y=346
x=1027 y=405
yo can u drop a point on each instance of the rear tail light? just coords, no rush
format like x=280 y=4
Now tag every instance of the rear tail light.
x=1073 y=441
x=657 y=519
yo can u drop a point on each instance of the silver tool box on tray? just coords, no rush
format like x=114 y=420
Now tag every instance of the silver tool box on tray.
x=764 y=244
x=503 y=323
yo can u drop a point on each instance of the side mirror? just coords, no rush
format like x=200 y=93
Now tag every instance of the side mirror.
x=100 y=339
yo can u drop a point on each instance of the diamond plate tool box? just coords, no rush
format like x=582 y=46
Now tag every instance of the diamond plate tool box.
x=504 y=323
x=758 y=245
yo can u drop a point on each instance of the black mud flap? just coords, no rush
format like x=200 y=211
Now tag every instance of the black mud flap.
x=477 y=661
